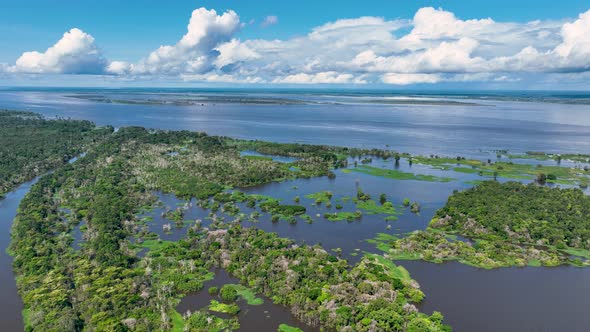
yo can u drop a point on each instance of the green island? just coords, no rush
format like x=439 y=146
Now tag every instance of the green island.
x=247 y=294
x=362 y=202
x=507 y=169
x=287 y=328
x=576 y=157
x=225 y=308
x=396 y=174
x=503 y=224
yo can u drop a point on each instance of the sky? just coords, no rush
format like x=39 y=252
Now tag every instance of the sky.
x=397 y=44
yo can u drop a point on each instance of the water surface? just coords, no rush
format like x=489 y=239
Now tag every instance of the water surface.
x=337 y=119
x=11 y=305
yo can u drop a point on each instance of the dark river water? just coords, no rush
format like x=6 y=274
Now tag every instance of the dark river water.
x=507 y=299
x=10 y=303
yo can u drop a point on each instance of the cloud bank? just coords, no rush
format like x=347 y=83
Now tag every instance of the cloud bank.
x=432 y=47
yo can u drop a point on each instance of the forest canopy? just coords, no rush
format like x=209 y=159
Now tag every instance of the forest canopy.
x=519 y=213
x=31 y=145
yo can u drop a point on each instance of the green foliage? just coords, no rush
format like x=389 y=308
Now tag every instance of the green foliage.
x=510 y=170
x=509 y=224
x=228 y=293
x=248 y=295
x=231 y=309
x=398 y=175
x=273 y=206
x=31 y=145
x=105 y=286
x=520 y=214
x=320 y=197
x=312 y=282
x=415 y=207
x=287 y=328
x=339 y=216
x=373 y=208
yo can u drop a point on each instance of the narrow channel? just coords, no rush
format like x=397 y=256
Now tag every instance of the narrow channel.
x=11 y=305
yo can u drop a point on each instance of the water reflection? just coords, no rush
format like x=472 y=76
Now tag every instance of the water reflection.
x=419 y=129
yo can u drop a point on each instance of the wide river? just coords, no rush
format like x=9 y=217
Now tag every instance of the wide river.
x=412 y=125
x=508 y=299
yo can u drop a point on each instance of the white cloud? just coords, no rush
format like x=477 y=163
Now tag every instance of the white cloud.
x=330 y=77
x=572 y=54
x=405 y=79
x=223 y=78
x=195 y=52
x=269 y=20
x=434 y=46
x=445 y=57
x=431 y=26
x=119 y=68
x=74 y=53
x=233 y=52
x=576 y=37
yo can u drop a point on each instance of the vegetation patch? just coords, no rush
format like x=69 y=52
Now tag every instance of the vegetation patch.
x=320 y=197
x=154 y=245
x=248 y=295
x=373 y=207
x=287 y=328
x=342 y=215
x=397 y=174
x=231 y=309
x=507 y=169
x=507 y=224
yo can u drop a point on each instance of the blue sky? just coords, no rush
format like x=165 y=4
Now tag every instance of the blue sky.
x=113 y=39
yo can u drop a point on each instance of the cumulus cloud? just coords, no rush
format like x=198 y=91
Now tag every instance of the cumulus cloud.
x=576 y=37
x=74 y=53
x=234 y=52
x=445 y=57
x=433 y=46
x=119 y=68
x=572 y=54
x=269 y=20
x=195 y=52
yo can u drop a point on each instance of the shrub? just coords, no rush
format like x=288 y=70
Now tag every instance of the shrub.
x=228 y=293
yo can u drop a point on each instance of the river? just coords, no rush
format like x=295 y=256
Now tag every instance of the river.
x=10 y=303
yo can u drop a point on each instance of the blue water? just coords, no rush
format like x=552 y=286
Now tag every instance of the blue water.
x=498 y=122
